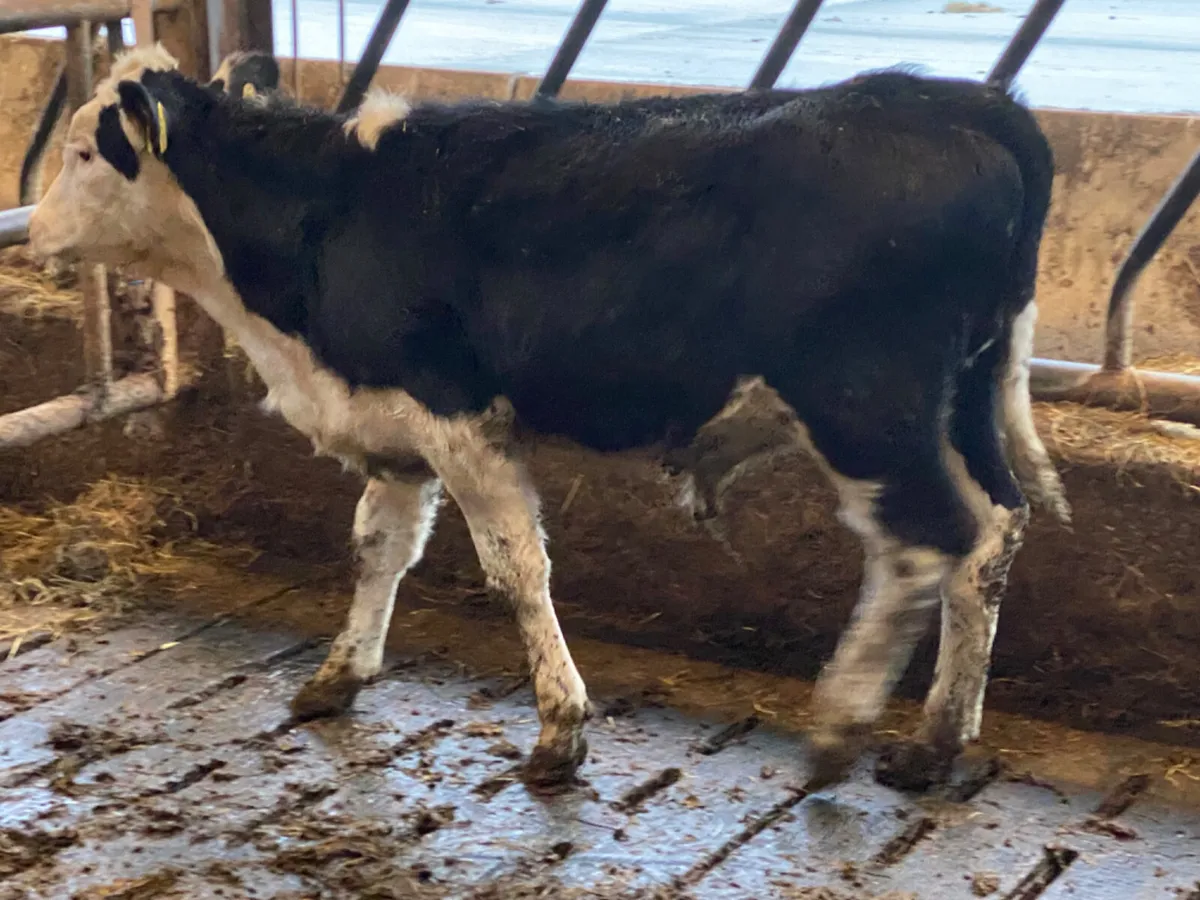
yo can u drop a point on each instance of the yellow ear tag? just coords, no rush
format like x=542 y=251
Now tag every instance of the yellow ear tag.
x=162 y=130
x=248 y=91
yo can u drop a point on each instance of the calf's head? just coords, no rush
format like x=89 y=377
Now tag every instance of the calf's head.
x=247 y=74
x=115 y=200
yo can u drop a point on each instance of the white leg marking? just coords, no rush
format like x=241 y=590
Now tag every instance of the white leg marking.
x=971 y=596
x=899 y=591
x=501 y=509
x=392 y=524
x=1031 y=463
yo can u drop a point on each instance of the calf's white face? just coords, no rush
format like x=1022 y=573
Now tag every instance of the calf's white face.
x=93 y=212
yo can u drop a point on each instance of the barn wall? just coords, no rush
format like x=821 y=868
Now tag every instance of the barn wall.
x=1112 y=169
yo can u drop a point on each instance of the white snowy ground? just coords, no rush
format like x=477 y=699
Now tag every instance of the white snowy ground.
x=1118 y=55
x=1115 y=55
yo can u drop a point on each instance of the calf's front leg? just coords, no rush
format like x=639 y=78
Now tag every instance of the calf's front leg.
x=392 y=524
x=501 y=509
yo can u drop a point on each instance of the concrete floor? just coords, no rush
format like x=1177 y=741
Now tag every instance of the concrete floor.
x=155 y=759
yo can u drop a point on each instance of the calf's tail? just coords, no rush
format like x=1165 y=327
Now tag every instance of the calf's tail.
x=1034 y=471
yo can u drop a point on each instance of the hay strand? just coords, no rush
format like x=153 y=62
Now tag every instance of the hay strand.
x=95 y=556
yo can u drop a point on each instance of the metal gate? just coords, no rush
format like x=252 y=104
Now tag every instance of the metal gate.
x=201 y=31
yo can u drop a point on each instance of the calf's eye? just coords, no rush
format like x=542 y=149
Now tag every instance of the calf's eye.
x=85 y=155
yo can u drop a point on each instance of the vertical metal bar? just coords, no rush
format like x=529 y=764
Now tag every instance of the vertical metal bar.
x=296 y=49
x=162 y=297
x=142 y=13
x=116 y=40
x=41 y=137
x=785 y=44
x=1023 y=42
x=572 y=45
x=239 y=25
x=259 y=25
x=78 y=64
x=368 y=65
x=97 y=331
x=1118 y=337
x=341 y=14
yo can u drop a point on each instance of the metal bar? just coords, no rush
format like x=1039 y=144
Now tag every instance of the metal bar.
x=259 y=25
x=162 y=297
x=97 y=325
x=116 y=40
x=41 y=136
x=1165 y=395
x=23 y=15
x=142 y=12
x=368 y=65
x=28 y=426
x=14 y=226
x=1118 y=337
x=296 y=49
x=1024 y=41
x=785 y=44
x=572 y=45
x=239 y=25
x=93 y=284
x=341 y=42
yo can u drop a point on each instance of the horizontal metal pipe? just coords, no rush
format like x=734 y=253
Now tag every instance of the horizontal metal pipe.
x=1166 y=395
x=23 y=15
x=62 y=414
x=14 y=225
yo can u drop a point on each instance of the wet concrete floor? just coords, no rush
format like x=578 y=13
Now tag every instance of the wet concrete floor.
x=155 y=759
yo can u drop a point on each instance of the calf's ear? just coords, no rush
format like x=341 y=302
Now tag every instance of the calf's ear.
x=146 y=113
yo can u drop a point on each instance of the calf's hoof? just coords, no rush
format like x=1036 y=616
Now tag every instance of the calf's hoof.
x=914 y=766
x=326 y=695
x=833 y=753
x=551 y=766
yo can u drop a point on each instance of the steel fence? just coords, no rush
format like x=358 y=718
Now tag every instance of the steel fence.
x=219 y=26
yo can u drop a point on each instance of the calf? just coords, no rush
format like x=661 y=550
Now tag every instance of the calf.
x=864 y=254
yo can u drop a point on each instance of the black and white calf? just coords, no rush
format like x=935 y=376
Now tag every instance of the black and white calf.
x=867 y=250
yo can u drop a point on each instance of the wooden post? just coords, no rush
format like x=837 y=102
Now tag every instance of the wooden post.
x=244 y=25
x=184 y=32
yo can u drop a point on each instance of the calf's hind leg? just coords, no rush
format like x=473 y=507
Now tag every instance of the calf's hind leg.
x=913 y=529
x=971 y=593
x=392 y=524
